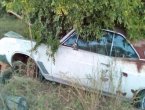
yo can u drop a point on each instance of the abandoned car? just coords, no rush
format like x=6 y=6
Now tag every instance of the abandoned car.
x=110 y=64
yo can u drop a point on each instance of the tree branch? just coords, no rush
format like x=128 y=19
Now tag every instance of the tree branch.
x=18 y=16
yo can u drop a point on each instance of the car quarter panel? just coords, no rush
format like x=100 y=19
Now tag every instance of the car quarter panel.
x=12 y=46
x=132 y=72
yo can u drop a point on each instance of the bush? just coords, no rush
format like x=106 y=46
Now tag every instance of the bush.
x=54 y=18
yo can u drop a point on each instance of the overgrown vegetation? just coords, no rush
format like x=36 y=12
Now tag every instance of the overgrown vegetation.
x=52 y=19
x=53 y=96
x=49 y=96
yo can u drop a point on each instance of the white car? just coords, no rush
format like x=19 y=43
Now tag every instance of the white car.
x=110 y=64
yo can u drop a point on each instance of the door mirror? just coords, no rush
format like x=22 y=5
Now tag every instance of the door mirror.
x=75 y=46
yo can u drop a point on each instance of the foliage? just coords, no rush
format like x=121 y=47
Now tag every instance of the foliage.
x=52 y=19
x=2 y=9
x=48 y=96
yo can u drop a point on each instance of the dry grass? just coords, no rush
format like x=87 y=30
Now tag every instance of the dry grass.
x=50 y=96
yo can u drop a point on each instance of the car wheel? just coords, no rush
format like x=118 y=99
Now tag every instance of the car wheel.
x=29 y=69
x=143 y=103
x=19 y=67
x=139 y=101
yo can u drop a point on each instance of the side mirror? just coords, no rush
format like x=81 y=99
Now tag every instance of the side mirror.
x=75 y=46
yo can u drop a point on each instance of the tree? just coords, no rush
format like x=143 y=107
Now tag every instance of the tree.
x=51 y=19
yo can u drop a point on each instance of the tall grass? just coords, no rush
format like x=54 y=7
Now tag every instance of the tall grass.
x=48 y=96
x=53 y=96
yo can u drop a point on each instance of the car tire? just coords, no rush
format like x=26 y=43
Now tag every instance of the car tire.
x=24 y=69
x=140 y=100
x=19 y=67
x=142 y=103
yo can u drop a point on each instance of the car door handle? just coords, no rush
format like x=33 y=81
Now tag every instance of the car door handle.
x=104 y=79
x=107 y=65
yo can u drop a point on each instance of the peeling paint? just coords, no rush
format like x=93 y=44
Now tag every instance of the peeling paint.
x=140 y=48
x=139 y=63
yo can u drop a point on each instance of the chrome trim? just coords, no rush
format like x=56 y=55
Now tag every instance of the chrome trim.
x=112 y=45
x=142 y=59
x=82 y=87
x=66 y=36
x=112 y=31
x=135 y=51
x=131 y=46
x=42 y=67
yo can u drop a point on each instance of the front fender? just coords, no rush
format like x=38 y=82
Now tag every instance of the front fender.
x=10 y=56
x=11 y=46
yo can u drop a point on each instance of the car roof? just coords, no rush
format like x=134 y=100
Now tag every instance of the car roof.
x=107 y=30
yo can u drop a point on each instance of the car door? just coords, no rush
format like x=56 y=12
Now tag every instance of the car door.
x=126 y=73
x=86 y=63
x=71 y=64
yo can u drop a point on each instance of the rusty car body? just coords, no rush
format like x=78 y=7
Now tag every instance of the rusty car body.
x=111 y=60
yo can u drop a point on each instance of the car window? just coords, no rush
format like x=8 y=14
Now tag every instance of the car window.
x=83 y=44
x=101 y=45
x=121 y=48
x=71 y=40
